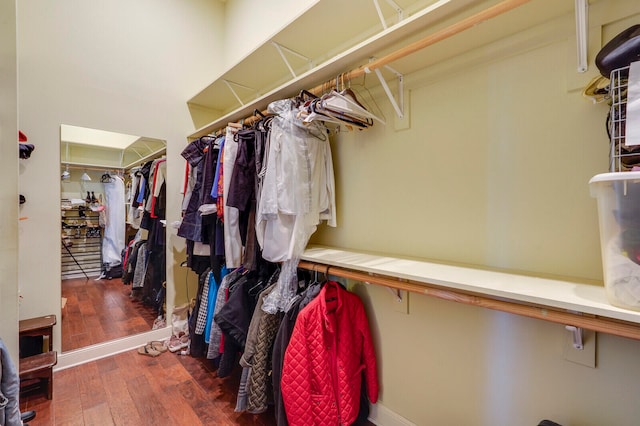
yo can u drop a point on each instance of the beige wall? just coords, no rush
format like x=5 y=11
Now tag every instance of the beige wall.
x=493 y=171
x=248 y=23
x=121 y=66
x=9 y=188
x=452 y=364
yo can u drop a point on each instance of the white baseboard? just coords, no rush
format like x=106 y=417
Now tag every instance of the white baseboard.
x=103 y=350
x=381 y=416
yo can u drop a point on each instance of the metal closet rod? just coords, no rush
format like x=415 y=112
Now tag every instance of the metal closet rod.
x=451 y=30
x=595 y=323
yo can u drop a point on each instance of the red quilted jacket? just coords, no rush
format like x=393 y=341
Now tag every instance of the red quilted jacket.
x=329 y=348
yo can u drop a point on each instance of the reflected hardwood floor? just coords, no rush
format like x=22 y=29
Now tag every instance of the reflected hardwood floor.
x=138 y=390
x=100 y=310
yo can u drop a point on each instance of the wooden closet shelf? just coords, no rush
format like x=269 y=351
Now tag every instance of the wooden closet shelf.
x=388 y=46
x=564 y=302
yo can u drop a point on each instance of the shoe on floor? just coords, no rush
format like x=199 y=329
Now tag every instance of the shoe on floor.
x=177 y=343
x=148 y=350
x=158 y=345
x=27 y=416
x=159 y=322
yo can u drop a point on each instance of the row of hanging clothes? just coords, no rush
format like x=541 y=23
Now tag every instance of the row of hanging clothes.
x=258 y=193
x=144 y=255
x=314 y=361
x=253 y=196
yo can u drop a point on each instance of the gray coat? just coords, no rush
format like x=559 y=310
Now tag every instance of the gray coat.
x=9 y=390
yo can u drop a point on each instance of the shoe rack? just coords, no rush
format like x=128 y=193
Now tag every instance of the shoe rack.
x=81 y=241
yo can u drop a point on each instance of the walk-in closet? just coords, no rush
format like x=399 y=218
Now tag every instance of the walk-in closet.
x=323 y=212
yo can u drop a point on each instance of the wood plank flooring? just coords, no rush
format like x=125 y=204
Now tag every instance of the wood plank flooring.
x=134 y=389
x=100 y=310
x=129 y=388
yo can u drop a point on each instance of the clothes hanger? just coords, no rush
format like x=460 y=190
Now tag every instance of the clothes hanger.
x=106 y=177
x=265 y=124
x=316 y=279
x=304 y=96
x=346 y=103
x=331 y=290
x=334 y=115
x=344 y=118
x=255 y=120
x=263 y=283
x=257 y=288
x=317 y=134
x=311 y=113
x=351 y=94
x=308 y=111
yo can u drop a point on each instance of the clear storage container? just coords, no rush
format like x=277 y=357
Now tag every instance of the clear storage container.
x=618 y=195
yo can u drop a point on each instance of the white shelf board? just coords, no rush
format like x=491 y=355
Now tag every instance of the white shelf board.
x=553 y=293
x=340 y=62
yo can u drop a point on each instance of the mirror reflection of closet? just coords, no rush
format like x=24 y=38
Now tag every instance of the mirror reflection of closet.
x=113 y=260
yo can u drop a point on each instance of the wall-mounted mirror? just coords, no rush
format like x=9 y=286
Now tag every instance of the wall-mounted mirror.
x=112 y=243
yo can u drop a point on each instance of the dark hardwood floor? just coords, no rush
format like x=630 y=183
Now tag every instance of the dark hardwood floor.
x=130 y=388
x=100 y=310
x=134 y=389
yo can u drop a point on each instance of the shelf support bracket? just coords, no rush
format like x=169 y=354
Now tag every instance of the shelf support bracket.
x=398 y=106
x=577 y=336
x=394 y=5
x=397 y=295
x=395 y=292
x=280 y=48
x=582 y=36
x=229 y=85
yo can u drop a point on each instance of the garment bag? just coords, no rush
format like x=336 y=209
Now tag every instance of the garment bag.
x=114 y=232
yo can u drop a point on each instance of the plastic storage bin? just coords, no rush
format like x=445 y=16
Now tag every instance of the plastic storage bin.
x=618 y=195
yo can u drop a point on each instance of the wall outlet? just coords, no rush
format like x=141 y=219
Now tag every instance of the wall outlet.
x=401 y=306
x=585 y=356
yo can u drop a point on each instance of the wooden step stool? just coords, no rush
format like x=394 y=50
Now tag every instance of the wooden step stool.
x=37 y=370
x=40 y=326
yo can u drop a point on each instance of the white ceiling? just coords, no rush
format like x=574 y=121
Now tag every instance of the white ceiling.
x=81 y=146
x=86 y=136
